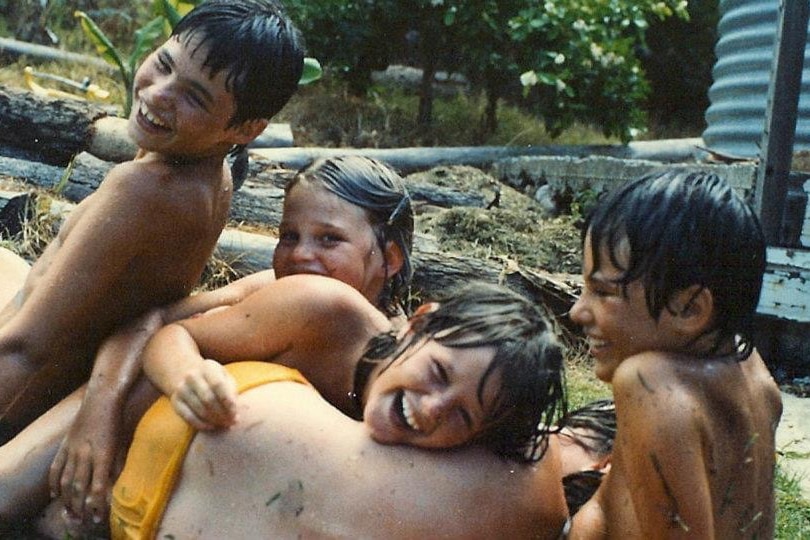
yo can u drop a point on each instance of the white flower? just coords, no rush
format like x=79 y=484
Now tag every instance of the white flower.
x=560 y=84
x=436 y=3
x=528 y=78
x=549 y=6
x=579 y=25
x=596 y=51
x=559 y=59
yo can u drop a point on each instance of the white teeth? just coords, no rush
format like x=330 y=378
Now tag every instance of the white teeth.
x=409 y=417
x=593 y=342
x=152 y=118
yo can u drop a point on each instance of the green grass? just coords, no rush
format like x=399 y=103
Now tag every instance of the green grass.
x=792 y=510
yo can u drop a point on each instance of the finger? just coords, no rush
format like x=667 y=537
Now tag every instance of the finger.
x=223 y=387
x=194 y=406
x=81 y=480
x=66 y=480
x=187 y=413
x=94 y=503
x=55 y=472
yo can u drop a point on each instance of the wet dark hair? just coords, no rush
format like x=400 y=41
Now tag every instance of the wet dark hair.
x=528 y=357
x=379 y=190
x=686 y=228
x=256 y=44
x=593 y=427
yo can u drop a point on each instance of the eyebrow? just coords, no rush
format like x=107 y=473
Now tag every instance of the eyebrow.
x=167 y=58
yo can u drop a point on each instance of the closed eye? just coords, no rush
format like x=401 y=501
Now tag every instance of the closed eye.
x=466 y=418
x=440 y=371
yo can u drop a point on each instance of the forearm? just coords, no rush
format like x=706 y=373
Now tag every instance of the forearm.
x=118 y=361
x=228 y=295
x=169 y=356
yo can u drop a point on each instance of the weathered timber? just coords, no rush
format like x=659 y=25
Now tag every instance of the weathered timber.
x=258 y=201
x=407 y=160
x=55 y=129
x=14 y=210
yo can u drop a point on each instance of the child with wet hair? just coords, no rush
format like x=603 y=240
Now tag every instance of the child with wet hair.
x=349 y=350
x=672 y=267
x=142 y=239
x=482 y=366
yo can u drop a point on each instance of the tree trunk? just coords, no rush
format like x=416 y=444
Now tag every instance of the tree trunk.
x=425 y=115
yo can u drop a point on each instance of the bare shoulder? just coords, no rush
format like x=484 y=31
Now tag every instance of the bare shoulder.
x=326 y=299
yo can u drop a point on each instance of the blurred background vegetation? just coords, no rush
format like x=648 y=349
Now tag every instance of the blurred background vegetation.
x=534 y=71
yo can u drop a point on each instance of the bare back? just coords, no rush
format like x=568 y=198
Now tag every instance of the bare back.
x=694 y=456
x=294 y=467
x=141 y=240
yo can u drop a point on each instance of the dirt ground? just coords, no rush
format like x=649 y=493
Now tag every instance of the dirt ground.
x=516 y=228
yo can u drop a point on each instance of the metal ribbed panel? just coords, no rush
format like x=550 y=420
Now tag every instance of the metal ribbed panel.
x=745 y=50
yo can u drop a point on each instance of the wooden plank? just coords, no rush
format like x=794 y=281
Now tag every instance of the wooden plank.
x=786 y=285
x=780 y=118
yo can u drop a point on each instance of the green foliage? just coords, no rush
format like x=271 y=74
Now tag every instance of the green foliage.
x=144 y=41
x=583 y=60
x=577 y=61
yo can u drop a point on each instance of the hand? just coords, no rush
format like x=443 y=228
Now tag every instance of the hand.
x=206 y=398
x=80 y=474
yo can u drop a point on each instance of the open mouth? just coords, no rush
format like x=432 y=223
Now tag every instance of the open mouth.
x=405 y=413
x=151 y=119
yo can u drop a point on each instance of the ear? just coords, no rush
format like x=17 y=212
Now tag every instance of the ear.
x=249 y=130
x=424 y=309
x=394 y=259
x=603 y=464
x=693 y=309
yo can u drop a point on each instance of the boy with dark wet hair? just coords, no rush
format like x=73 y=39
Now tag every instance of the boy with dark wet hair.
x=143 y=238
x=673 y=266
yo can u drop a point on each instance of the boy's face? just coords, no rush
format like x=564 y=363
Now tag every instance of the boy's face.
x=178 y=108
x=616 y=325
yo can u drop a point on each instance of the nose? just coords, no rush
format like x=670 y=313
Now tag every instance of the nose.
x=302 y=251
x=436 y=407
x=579 y=312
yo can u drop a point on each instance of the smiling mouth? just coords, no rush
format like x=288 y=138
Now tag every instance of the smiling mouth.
x=151 y=118
x=405 y=413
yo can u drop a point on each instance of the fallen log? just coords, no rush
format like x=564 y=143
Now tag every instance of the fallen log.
x=14 y=211
x=258 y=201
x=407 y=160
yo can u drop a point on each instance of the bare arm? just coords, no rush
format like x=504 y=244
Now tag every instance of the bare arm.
x=81 y=472
x=315 y=324
x=230 y=294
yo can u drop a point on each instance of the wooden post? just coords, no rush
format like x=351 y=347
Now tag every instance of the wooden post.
x=780 y=117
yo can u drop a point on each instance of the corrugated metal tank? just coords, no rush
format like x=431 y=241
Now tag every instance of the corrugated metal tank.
x=745 y=49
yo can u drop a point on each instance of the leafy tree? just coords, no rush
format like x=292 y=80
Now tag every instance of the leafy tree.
x=583 y=60
x=576 y=61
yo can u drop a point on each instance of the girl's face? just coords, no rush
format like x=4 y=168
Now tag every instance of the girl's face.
x=429 y=397
x=322 y=234
x=178 y=108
